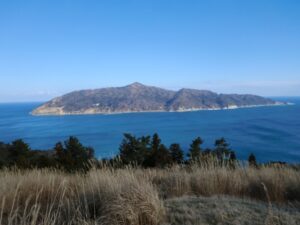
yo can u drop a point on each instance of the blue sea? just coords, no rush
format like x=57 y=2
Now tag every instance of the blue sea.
x=271 y=133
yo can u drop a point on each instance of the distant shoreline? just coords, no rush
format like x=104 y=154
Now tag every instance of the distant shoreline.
x=137 y=98
x=160 y=111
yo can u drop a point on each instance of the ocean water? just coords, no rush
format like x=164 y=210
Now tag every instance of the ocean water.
x=272 y=133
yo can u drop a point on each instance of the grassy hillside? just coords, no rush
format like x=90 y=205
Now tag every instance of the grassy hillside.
x=151 y=196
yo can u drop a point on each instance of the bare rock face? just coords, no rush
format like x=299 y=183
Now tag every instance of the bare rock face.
x=137 y=97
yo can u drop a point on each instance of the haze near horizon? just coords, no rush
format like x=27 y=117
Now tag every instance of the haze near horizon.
x=49 y=48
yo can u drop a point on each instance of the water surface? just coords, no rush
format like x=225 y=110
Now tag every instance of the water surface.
x=272 y=133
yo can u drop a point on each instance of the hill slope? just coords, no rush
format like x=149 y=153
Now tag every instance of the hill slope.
x=137 y=97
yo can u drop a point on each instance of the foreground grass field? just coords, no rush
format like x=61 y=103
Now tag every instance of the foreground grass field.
x=227 y=210
x=151 y=196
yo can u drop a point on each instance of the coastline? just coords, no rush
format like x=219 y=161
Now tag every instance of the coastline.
x=89 y=112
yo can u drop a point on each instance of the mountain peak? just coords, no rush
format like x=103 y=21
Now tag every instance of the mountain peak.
x=136 y=84
x=137 y=97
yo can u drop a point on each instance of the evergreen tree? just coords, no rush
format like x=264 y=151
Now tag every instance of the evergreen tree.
x=162 y=157
x=77 y=150
x=252 y=160
x=90 y=152
x=232 y=160
x=222 y=149
x=73 y=155
x=207 y=151
x=43 y=161
x=232 y=156
x=4 y=154
x=208 y=158
x=156 y=141
x=159 y=155
x=176 y=153
x=195 y=149
x=134 y=150
x=60 y=153
x=19 y=154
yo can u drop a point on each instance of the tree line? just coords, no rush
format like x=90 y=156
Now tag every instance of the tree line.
x=69 y=155
x=145 y=151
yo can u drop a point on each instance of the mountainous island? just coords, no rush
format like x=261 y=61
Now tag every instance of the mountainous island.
x=137 y=97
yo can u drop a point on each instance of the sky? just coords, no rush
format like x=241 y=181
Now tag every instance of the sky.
x=51 y=47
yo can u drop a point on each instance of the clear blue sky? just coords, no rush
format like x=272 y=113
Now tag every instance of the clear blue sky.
x=48 y=48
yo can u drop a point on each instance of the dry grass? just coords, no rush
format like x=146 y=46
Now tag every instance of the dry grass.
x=100 y=197
x=227 y=211
x=267 y=184
x=134 y=196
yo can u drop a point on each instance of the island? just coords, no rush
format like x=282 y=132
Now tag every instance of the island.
x=138 y=97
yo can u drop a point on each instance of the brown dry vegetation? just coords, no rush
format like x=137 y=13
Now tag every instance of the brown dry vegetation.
x=100 y=197
x=136 y=196
x=228 y=211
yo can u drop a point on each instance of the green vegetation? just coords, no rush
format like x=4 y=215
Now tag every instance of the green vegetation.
x=252 y=160
x=144 y=151
x=149 y=152
x=69 y=156
x=195 y=149
x=176 y=153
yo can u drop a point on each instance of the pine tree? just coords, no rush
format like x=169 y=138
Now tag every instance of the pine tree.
x=156 y=141
x=134 y=150
x=232 y=160
x=232 y=156
x=252 y=160
x=162 y=157
x=19 y=154
x=159 y=155
x=222 y=149
x=75 y=156
x=176 y=153
x=195 y=149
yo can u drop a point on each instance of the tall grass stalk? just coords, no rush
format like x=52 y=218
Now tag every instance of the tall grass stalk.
x=131 y=196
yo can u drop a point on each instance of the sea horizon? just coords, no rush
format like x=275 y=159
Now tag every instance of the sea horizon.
x=44 y=101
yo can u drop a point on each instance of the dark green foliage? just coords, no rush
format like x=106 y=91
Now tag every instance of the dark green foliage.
x=222 y=149
x=176 y=153
x=142 y=151
x=232 y=156
x=252 y=160
x=73 y=156
x=159 y=155
x=150 y=152
x=4 y=153
x=155 y=143
x=207 y=151
x=90 y=152
x=232 y=160
x=16 y=154
x=134 y=150
x=160 y=158
x=195 y=149
x=40 y=160
x=19 y=153
x=59 y=149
